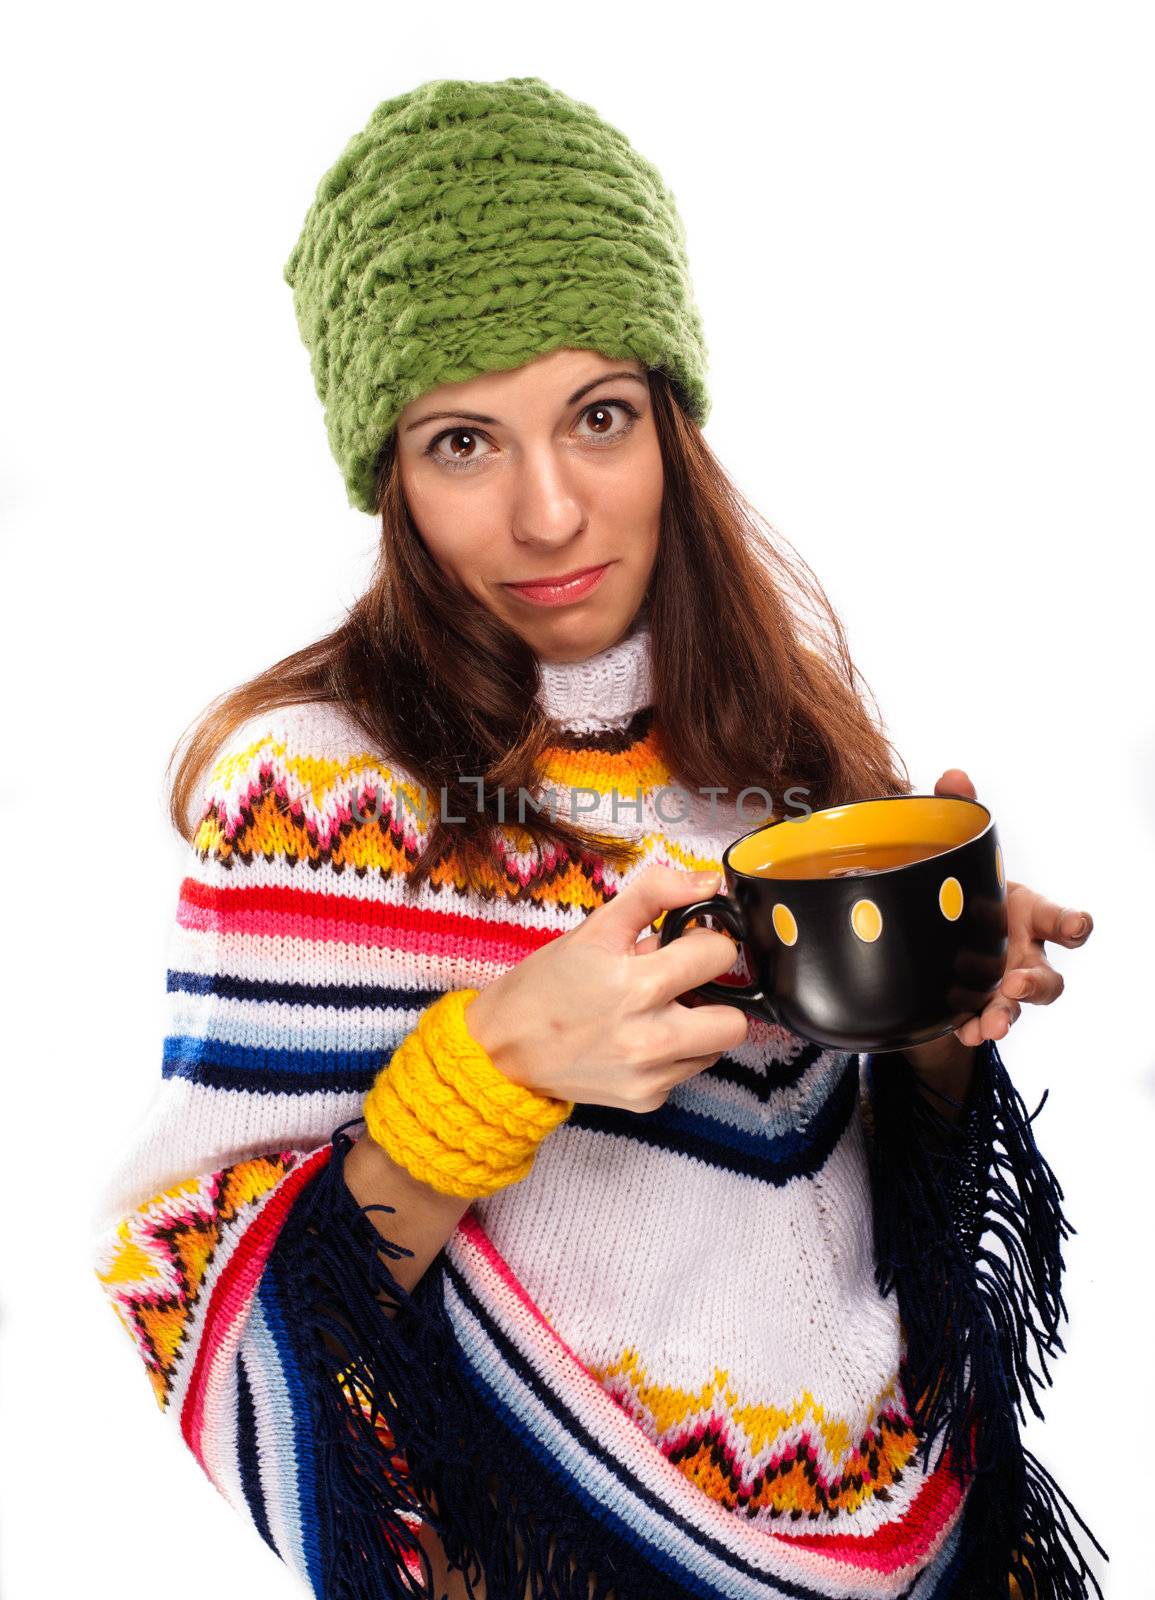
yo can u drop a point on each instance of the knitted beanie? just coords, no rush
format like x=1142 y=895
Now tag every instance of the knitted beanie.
x=468 y=228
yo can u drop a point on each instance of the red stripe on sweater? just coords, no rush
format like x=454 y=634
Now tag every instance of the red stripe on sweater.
x=234 y=910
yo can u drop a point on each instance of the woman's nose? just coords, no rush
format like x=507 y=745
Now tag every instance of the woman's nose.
x=545 y=509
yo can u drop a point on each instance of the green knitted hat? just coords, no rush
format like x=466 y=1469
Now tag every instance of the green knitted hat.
x=470 y=227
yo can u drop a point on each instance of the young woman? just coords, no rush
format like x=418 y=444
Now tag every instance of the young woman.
x=612 y=1294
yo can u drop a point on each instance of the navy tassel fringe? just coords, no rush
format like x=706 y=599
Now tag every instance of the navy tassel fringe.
x=498 y=1515
x=968 y=1227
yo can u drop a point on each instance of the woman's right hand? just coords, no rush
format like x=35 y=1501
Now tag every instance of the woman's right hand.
x=593 y=1016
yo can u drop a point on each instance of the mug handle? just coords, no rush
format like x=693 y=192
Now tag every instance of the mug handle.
x=746 y=996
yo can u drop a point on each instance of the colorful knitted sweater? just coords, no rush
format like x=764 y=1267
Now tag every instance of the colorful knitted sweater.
x=704 y=1350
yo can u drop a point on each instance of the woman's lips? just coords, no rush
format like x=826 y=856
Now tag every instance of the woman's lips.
x=560 y=594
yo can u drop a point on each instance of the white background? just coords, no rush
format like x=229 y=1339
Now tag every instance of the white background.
x=921 y=241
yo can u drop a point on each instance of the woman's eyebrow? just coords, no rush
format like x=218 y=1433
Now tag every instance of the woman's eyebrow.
x=476 y=416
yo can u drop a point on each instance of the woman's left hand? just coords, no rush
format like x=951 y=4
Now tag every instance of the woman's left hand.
x=1031 y=918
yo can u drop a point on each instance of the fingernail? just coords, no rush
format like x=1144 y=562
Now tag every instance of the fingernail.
x=706 y=879
x=1079 y=928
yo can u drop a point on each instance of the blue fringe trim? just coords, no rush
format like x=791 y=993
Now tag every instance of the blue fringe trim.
x=498 y=1512
x=968 y=1228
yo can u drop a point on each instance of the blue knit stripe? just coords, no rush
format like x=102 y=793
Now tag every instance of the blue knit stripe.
x=306 y=1512
x=280 y=1070
x=799 y=1153
x=339 y=996
x=248 y=1458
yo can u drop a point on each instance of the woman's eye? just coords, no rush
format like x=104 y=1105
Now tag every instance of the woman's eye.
x=601 y=410
x=461 y=456
x=463 y=443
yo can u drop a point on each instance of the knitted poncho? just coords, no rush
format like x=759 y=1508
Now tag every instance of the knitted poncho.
x=693 y=1352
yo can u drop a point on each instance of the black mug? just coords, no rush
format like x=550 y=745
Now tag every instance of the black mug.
x=872 y=926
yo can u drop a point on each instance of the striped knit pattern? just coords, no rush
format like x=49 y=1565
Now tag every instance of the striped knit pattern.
x=676 y=1310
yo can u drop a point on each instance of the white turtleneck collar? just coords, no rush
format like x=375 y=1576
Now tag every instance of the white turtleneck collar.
x=604 y=690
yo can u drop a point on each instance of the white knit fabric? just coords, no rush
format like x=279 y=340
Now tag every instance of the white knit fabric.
x=605 y=689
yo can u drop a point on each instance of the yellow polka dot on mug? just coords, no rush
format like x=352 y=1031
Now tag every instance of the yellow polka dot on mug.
x=784 y=924
x=866 y=920
x=950 y=899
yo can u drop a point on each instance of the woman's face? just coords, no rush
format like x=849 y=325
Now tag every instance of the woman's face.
x=533 y=474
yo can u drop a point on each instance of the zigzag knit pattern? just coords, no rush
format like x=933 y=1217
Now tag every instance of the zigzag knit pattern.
x=670 y=1325
x=468 y=228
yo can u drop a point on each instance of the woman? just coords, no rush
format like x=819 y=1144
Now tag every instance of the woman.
x=613 y=1295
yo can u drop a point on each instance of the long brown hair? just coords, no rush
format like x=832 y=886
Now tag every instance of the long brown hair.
x=753 y=684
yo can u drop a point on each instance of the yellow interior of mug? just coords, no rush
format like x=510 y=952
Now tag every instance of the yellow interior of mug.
x=907 y=819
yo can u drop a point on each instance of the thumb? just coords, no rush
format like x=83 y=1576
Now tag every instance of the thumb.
x=635 y=907
x=955 y=781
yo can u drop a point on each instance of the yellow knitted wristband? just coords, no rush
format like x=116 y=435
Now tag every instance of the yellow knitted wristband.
x=446 y=1113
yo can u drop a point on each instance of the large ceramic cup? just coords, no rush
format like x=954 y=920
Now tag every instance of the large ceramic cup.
x=871 y=926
